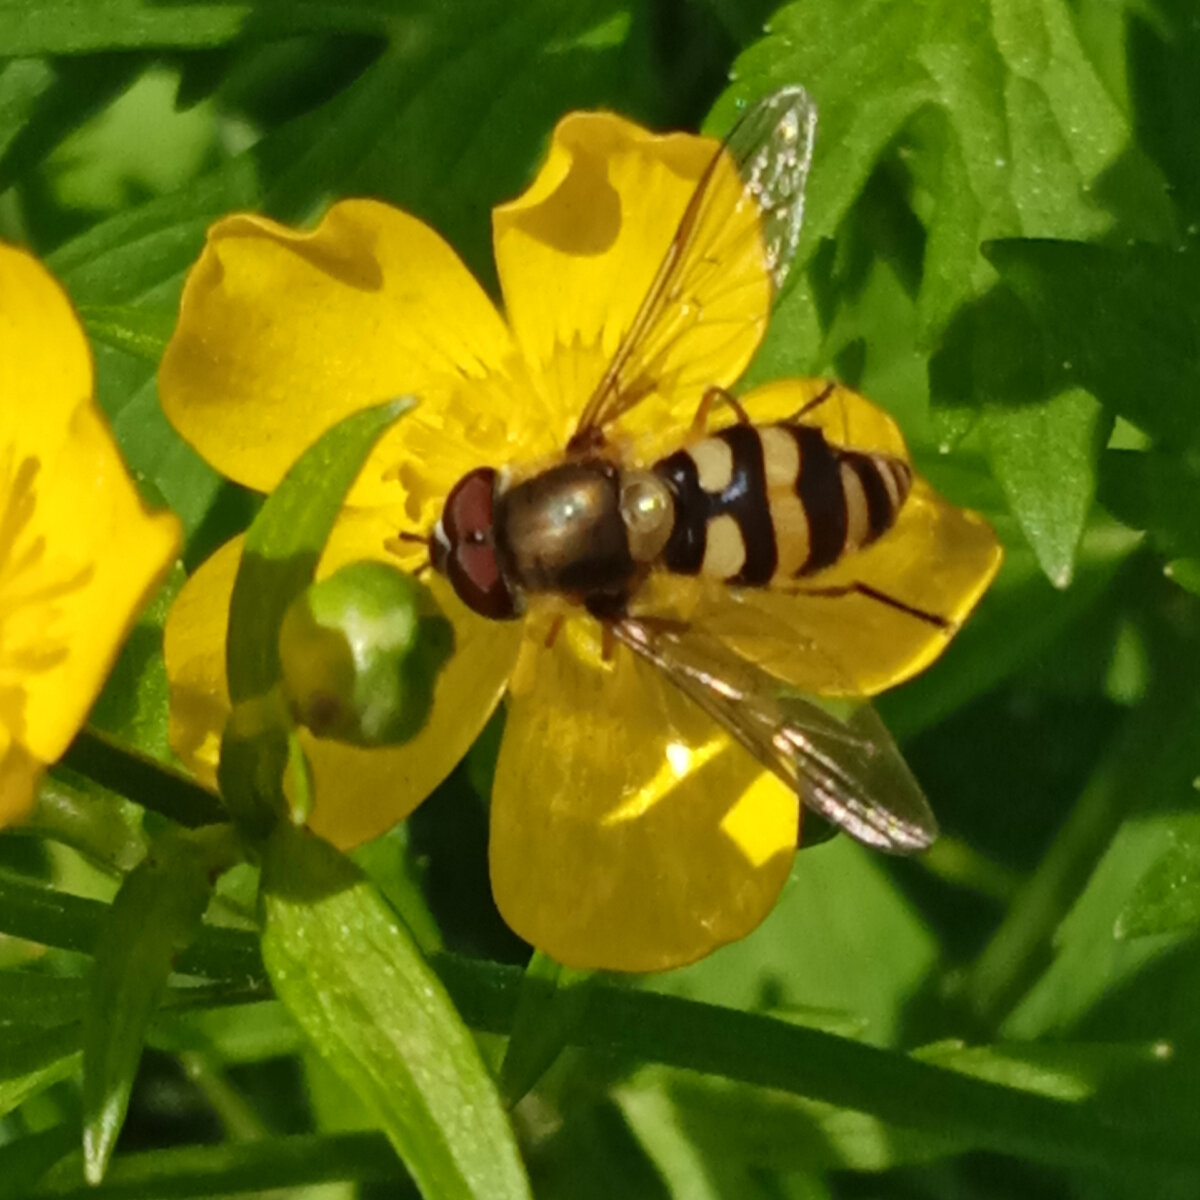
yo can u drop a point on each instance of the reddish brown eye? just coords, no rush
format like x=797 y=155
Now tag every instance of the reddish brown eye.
x=468 y=508
x=469 y=557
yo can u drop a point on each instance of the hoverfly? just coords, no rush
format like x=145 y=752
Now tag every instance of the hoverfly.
x=750 y=506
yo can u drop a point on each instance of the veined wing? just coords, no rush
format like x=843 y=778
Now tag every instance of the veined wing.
x=846 y=768
x=751 y=193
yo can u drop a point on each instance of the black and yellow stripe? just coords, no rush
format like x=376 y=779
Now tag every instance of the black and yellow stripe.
x=756 y=504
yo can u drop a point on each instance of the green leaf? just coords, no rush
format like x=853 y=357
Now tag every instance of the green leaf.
x=32 y=1058
x=1167 y=899
x=1015 y=124
x=202 y=1172
x=133 y=957
x=139 y=331
x=354 y=980
x=769 y=1130
x=40 y=914
x=81 y=26
x=53 y=105
x=1122 y=323
x=1020 y=619
x=818 y=948
x=24 y=1160
x=285 y=541
x=139 y=145
x=1044 y=456
x=1186 y=573
x=1155 y=491
x=47 y=1000
x=552 y=1002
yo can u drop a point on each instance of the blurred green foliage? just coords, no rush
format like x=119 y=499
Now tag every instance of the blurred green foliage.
x=1000 y=248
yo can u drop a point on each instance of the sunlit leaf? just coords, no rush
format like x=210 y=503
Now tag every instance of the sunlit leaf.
x=1168 y=897
x=354 y=980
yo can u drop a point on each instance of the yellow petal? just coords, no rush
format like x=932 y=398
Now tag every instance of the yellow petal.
x=579 y=250
x=282 y=333
x=628 y=833
x=79 y=552
x=359 y=793
x=19 y=775
x=937 y=558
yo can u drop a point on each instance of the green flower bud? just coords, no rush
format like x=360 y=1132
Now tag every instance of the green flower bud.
x=359 y=652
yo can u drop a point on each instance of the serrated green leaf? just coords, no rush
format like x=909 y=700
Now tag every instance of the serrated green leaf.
x=1017 y=125
x=60 y=105
x=285 y=541
x=1167 y=899
x=1155 y=491
x=354 y=980
x=138 y=145
x=155 y=915
x=1122 y=323
x=1044 y=456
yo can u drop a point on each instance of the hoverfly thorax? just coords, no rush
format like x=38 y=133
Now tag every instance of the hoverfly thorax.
x=583 y=528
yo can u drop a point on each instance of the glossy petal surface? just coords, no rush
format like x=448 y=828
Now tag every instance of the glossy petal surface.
x=628 y=832
x=359 y=793
x=79 y=551
x=282 y=333
x=580 y=249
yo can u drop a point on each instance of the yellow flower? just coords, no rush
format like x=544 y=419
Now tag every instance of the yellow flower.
x=79 y=552
x=627 y=830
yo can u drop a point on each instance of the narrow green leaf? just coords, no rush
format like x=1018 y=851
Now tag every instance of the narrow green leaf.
x=40 y=914
x=1168 y=898
x=552 y=1002
x=202 y=1172
x=732 y=1123
x=47 y=1000
x=142 y=332
x=154 y=916
x=284 y=543
x=24 y=1160
x=32 y=1058
x=1044 y=456
x=151 y=784
x=354 y=980
x=1186 y=573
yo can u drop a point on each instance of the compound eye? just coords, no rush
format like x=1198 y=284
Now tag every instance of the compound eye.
x=468 y=511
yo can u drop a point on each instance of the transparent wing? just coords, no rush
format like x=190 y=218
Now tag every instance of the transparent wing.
x=840 y=760
x=749 y=200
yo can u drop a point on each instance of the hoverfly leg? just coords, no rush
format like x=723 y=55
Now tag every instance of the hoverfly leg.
x=864 y=589
x=608 y=642
x=815 y=402
x=554 y=630
x=710 y=397
x=395 y=545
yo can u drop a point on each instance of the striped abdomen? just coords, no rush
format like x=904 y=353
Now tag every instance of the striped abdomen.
x=756 y=504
